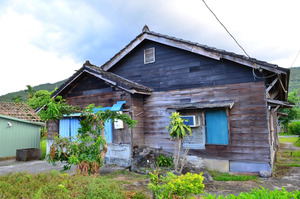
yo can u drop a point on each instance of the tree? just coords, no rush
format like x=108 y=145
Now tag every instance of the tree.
x=39 y=99
x=87 y=151
x=293 y=113
x=30 y=91
x=178 y=130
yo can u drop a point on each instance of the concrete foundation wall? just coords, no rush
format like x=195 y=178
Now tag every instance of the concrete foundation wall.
x=218 y=165
x=119 y=154
x=249 y=167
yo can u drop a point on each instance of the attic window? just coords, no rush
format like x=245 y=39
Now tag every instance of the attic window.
x=149 y=55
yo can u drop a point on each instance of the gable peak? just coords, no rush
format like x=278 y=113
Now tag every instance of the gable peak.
x=145 y=28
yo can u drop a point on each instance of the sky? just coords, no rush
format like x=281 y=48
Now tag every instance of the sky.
x=47 y=41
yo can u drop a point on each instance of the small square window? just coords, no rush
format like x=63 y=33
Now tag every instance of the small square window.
x=149 y=55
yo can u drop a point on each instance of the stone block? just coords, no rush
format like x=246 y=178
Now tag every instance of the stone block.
x=28 y=154
x=218 y=165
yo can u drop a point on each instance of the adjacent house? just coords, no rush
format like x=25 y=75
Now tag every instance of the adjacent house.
x=230 y=101
x=19 y=128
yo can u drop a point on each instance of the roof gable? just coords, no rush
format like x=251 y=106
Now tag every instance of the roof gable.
x=108 y=77
x=193 y=47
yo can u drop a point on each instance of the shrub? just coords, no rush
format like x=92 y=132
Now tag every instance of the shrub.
x=163 y=161
x=294 y=128
x=173 y=186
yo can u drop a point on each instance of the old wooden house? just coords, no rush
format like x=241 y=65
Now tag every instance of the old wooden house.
x=231 y=101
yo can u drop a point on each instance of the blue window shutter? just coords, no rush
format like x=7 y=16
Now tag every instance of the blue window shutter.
x=217 y=127
x=74 y=126
x=64 y=127
x=108 y=131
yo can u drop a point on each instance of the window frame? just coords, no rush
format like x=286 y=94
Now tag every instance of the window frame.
x=152 y=52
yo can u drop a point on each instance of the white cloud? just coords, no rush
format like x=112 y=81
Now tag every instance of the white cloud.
x=22 y=63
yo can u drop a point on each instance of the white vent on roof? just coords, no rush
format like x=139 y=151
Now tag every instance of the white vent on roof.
x=149 y=55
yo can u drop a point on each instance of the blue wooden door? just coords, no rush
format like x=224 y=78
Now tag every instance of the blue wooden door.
x=68 y=127
x=74 y=126
x=64 y=127
x=217 y=127
x=108 y=131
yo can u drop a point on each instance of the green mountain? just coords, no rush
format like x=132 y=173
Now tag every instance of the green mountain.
x=22 y=95
x=294 y=78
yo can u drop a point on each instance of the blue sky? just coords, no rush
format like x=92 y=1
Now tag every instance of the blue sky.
x=46 y=41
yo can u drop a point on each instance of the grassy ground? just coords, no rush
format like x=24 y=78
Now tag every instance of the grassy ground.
x=58 y=185
x=285 y=134
x=292 y=140
x=219 y=176
x=43 y=145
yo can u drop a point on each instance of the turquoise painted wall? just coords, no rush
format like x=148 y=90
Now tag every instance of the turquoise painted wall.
x=20 y=135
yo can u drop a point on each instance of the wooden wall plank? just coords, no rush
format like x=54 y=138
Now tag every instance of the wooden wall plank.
x=247 y=119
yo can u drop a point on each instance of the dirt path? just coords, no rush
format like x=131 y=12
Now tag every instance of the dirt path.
x=290 y=182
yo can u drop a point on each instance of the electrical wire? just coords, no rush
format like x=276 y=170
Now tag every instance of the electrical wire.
x=253 y=69
x=225 y=28
x=264 y=77
x=295 y=58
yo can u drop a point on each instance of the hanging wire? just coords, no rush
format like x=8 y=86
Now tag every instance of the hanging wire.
x=226 y=29
x=253 y=69
x=295 y=58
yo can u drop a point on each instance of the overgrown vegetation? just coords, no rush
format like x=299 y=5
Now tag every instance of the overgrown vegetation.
x=163 y=161
x=172 y=186
x=219 y=176
x=293 y=113
x=260 y=193
x=88 y=149
x=58 y=185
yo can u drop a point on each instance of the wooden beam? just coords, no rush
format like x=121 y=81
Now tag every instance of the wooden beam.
x=273 y=95
x=272 y=84
x=281 y=103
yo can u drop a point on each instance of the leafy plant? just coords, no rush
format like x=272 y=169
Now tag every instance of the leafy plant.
x=293 y=113
x=87 y=151
x=294 y=128
x=163 y=161
x=178 y=130
x=173 y=186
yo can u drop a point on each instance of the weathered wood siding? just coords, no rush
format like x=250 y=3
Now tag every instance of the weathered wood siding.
x=178 y=69
x=249 y=136
x=138 y=115
x=90 y=90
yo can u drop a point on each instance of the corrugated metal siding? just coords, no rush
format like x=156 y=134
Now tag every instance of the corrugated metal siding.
x=20 y=135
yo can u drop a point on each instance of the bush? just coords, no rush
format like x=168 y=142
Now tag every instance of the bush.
x=294 y=128
x=173 y=186
x=163 y=161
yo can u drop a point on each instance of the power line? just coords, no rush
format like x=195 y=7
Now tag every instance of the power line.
x=226 y=29
x=295 y=59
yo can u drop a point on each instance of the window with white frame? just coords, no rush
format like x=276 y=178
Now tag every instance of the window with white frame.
x=149 y=55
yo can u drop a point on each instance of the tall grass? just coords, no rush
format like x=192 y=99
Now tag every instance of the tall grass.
x=58 y=185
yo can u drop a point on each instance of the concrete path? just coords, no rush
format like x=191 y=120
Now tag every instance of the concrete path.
x=37 y=166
